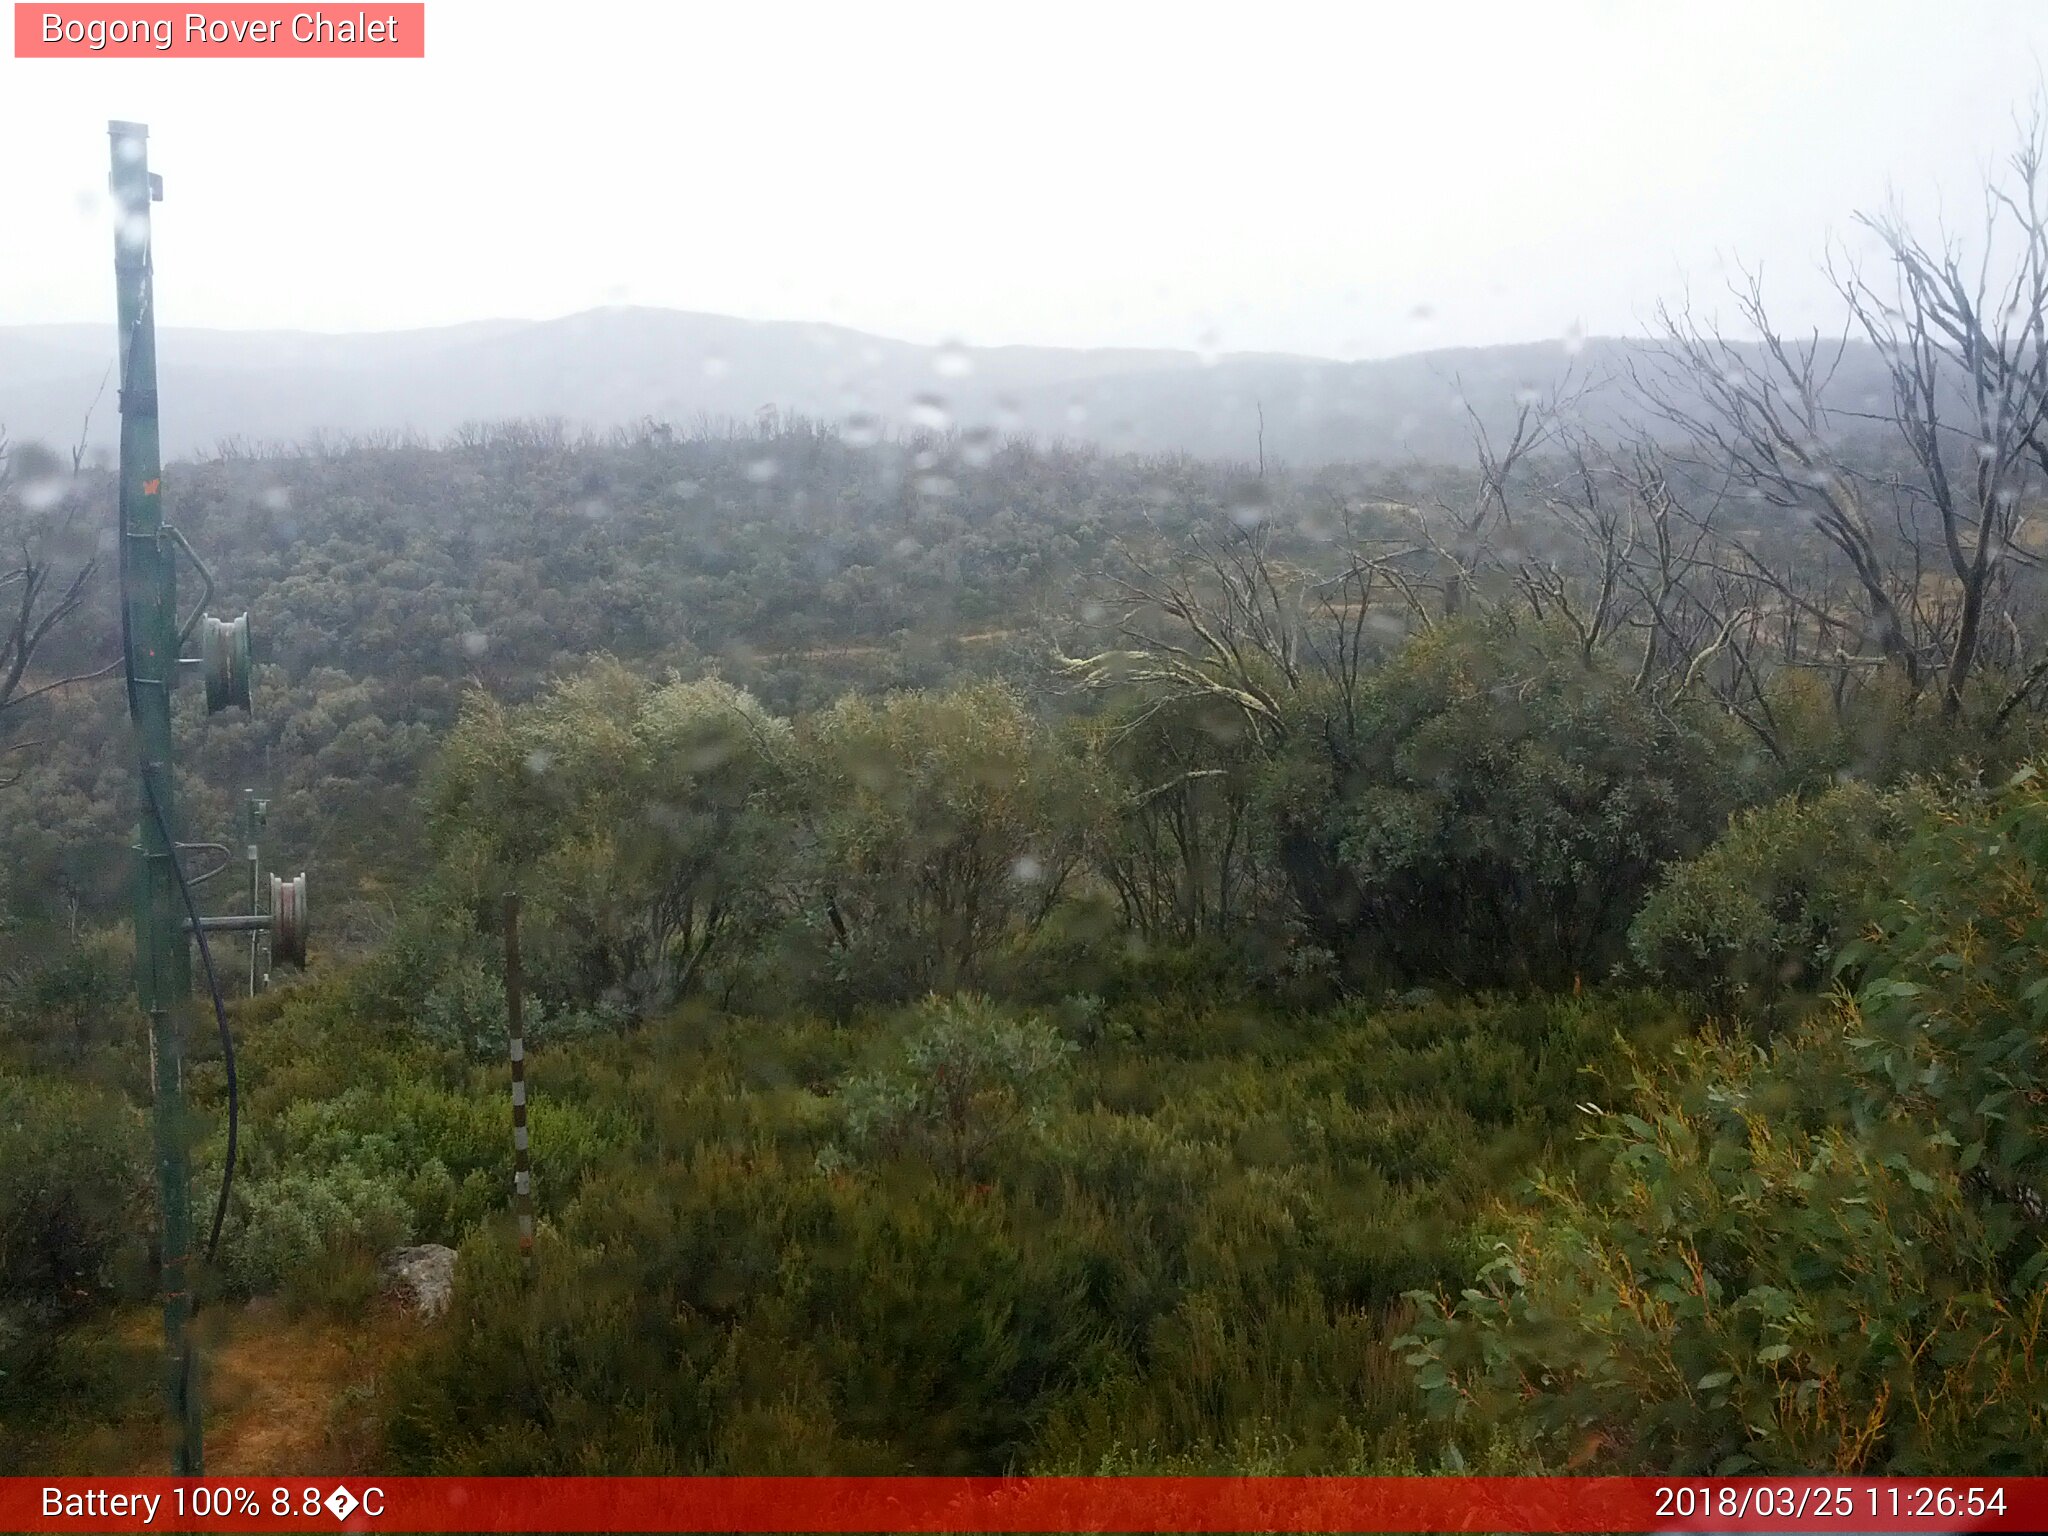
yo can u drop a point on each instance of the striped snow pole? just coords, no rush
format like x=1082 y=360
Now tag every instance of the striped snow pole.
x=522 y=1170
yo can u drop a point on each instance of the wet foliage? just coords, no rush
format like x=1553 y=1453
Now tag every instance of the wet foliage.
x=1056 y=965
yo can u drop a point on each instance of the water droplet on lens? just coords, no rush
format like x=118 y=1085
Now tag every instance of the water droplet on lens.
x=41 y=495
x=952 y=361
x=929 y=411
x=763 y=469
x=715 y=367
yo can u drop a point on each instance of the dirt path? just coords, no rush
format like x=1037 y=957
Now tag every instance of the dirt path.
x=293 y=1396
x=284 y=1396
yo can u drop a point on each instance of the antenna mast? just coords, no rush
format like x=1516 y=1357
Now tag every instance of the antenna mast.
x=153 y=641
x=149 y=625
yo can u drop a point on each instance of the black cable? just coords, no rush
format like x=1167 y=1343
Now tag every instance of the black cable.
x=220 y=1014
x=127 y=641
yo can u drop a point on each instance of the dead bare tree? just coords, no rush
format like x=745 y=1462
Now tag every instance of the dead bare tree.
x=1581 y=573
x=1539 y=417
x=38 y=598
x=1221 y=623
x=1965 y=348
x=1940 y=579
x=1757 y=414
x=1227 y=627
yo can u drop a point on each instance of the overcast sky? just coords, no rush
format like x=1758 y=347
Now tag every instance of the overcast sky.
x=1349 y=180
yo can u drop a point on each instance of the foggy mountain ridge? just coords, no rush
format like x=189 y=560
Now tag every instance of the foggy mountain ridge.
x=607 y=367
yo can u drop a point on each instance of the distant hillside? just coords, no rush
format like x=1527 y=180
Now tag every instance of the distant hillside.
x=610 y=366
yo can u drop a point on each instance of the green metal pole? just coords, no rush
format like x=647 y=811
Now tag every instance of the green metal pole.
x=163 y=964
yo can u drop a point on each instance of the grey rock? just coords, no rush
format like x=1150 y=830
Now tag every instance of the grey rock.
x=421 y=1278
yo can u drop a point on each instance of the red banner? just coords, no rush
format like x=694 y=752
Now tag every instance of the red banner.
x=376 y=30
x=1046 y=1504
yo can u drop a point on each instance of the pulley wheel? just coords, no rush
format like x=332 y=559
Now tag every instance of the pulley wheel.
x=288 y=920
x=224 y=654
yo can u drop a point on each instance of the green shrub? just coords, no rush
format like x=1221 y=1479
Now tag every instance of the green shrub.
x=940 y=830
x=1198 y=1248
x=465 y=1009
x=1951 y=1011
x=286 y=1227
x=1749 y=1285
x=646 y=827
x=71 y=1006
x=73 y=1207
x=968 y=1076
x=356 y=1139
x=446 y=1154
x=1830 y=1256
x=1501 y=806
x=1765 y=911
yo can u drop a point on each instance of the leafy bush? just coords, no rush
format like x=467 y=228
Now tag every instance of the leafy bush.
x=465 y=1009
x=1887 y=732
x=356 y=1137
x=71 y=1003
x=939 y=829
x=1750 y=1287
x=1501 y=806
x=968 y=1076
x=292 y=1223
x=644 y=826
x=1951 y=1035
x=73 y=1193
x=1197 y=1253
x=1830 y=1256
x=1767 y=908
x=444 y=1155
